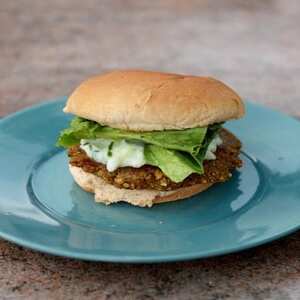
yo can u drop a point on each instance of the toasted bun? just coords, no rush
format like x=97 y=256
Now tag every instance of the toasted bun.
x=107 y=193
x=145 y=101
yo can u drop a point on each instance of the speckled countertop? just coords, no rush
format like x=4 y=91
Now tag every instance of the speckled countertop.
x=48 y=47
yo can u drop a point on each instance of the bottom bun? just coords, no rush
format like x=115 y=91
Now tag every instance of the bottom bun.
x=107 y=193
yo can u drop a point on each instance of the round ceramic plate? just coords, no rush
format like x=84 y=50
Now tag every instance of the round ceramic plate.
x=43 y=209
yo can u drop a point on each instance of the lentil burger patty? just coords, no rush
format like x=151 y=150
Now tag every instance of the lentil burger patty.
x=149 y=177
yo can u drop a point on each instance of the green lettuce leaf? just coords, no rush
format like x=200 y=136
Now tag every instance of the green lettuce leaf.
x=187 y=140
x=174 y=164
x=211 y=133
x=179 y=165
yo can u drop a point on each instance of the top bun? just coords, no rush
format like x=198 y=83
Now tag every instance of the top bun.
x=145 y=101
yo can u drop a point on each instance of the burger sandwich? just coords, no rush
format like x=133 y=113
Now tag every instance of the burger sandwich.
x=149 y=137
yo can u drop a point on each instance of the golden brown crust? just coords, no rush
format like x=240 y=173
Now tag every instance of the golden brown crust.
x=143 y=100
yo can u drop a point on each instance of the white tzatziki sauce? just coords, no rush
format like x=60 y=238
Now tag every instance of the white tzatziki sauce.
x=114 y=154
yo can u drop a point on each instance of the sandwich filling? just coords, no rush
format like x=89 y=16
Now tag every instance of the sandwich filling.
x=123 y=153
x=160 y=160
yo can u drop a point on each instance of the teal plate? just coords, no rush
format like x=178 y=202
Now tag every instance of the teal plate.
x=41 y=207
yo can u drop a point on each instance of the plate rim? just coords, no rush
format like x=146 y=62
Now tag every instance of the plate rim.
x=149 y=259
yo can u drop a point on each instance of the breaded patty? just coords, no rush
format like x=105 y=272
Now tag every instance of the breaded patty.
x=149 y=177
